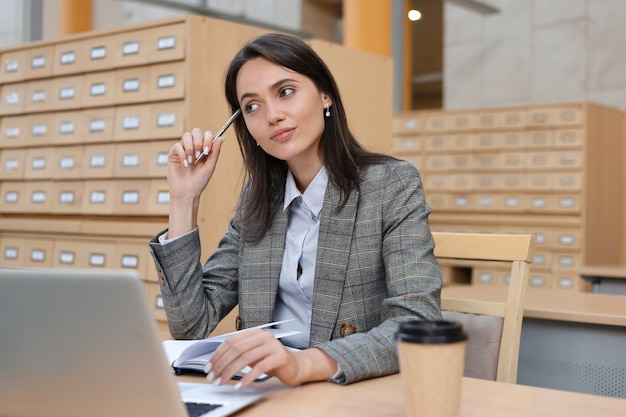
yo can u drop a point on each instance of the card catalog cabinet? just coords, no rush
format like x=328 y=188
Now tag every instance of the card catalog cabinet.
x=555 y=171
x=87 y=121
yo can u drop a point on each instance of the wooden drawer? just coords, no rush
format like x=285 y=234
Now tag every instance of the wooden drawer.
x=98 y=125
x=12 y=250
x=13 y=66
x=67 y=128
x=13 y=131
x=13 y=98
x=406 y=144
x=39 y=129
x=156 y=156
x=38 y=62
x=131 y=197
x=167 y=43
x=67 y=162
x=98 y=197
x=38 y=196
x=98 y=161
x=67 y=197
x=131 y=85
x=407 y=123
x=69 y=58
x=39 y=252
x=68 y=92
x=158 y=198
x=39 y=163
x=13 y=162
x=167 y=120
x=131 y=48
x=39 y=96
x=99 y=53
x=98 y=90
x=167 y=82
x=132 y=123
x=13 y=196
x=131 y=160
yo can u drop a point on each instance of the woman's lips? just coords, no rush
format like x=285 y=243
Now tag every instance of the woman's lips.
x=282 y=135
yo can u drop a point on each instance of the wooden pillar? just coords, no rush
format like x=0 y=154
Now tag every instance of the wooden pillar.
x=367 y=25
x=74 y=16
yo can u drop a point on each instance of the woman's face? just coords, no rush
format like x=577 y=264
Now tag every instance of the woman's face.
x=283 y=110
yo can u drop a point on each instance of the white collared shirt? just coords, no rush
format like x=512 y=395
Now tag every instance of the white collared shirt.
x=295 y=289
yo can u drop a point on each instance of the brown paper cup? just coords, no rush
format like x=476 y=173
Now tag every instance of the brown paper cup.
x=432 y=355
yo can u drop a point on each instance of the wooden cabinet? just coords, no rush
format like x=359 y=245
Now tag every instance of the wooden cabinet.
x=87 y=121
x=555 y=171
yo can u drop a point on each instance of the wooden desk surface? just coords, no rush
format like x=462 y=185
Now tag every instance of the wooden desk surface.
x=553 y=305
x=382 y=397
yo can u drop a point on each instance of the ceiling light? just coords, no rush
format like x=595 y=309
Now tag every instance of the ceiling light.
x=414 y=15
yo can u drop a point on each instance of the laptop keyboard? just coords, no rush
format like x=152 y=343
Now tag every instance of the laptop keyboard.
x=198 y=409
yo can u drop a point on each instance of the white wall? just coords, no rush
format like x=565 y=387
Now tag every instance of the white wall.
x=535 y=52
x=114 y=13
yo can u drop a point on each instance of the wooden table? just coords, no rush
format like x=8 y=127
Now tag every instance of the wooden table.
x=381 y=397
x=570 y=340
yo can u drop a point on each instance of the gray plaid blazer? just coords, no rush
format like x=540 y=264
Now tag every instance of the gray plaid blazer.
x=375 y=269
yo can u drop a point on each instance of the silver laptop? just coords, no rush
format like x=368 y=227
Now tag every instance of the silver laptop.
x=83 y=343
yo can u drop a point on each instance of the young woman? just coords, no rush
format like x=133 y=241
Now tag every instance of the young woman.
x=326 y=234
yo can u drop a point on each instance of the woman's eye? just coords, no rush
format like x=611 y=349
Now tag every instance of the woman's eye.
x=287 y=91
x=251 y=107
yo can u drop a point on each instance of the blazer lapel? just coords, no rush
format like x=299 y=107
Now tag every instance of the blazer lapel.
x=333 y=251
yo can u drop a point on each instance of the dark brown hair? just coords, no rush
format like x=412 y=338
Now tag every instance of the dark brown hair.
x=339 y=150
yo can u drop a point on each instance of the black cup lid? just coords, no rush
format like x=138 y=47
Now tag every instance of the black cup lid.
x=431 y=331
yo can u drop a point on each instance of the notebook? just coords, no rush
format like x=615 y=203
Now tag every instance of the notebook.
x=84 y=343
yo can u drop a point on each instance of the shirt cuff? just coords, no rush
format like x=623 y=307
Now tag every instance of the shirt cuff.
x=163 y=239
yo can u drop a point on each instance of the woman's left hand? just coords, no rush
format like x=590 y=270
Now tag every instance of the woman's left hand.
x=265 y=354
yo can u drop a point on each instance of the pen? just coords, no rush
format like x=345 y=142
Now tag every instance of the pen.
x=220 y=132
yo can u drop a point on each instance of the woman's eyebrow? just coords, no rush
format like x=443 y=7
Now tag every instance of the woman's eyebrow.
x=274 y=86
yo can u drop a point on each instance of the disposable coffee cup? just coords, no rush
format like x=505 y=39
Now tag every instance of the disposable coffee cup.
x=432 y=356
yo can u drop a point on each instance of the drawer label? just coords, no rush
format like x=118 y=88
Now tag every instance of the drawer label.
x=11 y=66
x=131 y=84
x=66 y=197
x=39 y=129
x=67 y=93
x=38 y=62
x=97 y=125
x=166 y=42
x=163 y=197
x=38 y=96
x=66 y=258
x=11 y=253
x=38 y=163
x=130 y=122
x=11 y=165
x=98 y=52
x=11 y=197
x=38 y=197
x=37 y=255
x=68 y=57
x=130 y=48
x=166 y=81
x=97 y=161
x=97 y=197
x=67 y=162
x=66 y=128
x=130 y=160
x=166 y=119
x=98 y=89
x=97 y=259
x=130 y=197
x=130 y=261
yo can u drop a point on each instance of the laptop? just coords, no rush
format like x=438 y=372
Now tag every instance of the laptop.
x=76 y=342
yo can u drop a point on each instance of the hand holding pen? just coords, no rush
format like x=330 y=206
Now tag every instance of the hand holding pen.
x=219 y=134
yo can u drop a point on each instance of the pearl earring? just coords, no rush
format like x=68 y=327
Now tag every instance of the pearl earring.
x=327 y=114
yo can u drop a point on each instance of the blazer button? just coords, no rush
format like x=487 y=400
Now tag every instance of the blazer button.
x=238 y=323
x=347 y=329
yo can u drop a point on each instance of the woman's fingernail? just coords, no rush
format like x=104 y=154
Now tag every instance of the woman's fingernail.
x=189 y=159
x=217 y=382
x=198 y=154
x=210 y=376
x=206 y=150
x=207 y=368
x=237 y=386
x=185 y=163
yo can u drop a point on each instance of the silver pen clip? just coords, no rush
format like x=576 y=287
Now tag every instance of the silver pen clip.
x=220 y=132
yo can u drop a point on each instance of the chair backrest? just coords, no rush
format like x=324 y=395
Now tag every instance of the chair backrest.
x=476 y=314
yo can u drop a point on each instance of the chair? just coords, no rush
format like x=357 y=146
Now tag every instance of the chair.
x=493 y=328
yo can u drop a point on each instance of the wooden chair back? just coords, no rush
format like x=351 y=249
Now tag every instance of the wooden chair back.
x=518 y=250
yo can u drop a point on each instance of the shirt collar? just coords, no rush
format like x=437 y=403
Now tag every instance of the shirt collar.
x=314 y=194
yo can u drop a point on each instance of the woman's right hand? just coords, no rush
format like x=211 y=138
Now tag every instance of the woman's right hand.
x=187 y=180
